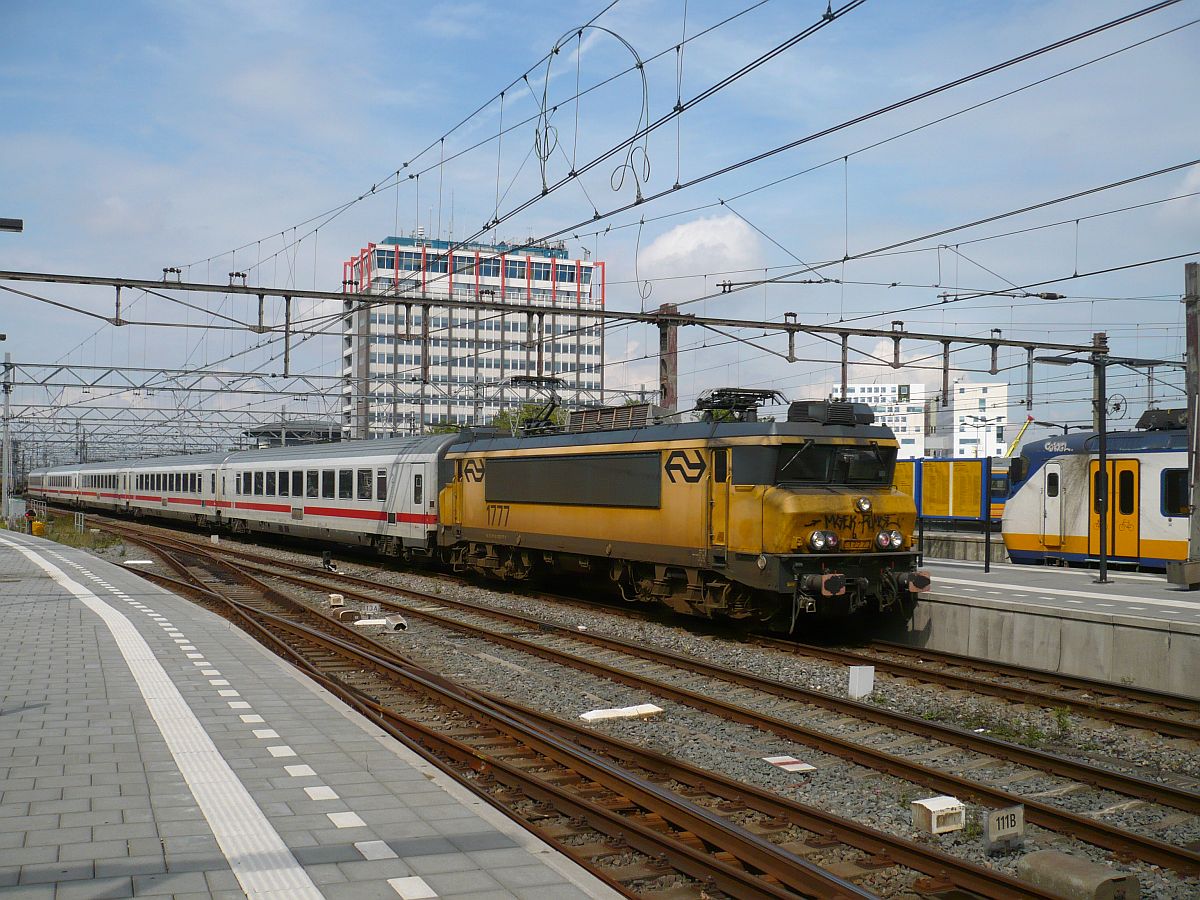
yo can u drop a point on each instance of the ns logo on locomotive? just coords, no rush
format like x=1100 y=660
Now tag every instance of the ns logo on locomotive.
x=729 y=517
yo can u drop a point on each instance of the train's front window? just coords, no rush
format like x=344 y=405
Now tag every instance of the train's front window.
x=807 y=463
x=812 y=463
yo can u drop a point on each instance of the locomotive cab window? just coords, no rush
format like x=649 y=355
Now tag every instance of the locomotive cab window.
x=1052 y=484
x=813 y=463
x=1175 y=500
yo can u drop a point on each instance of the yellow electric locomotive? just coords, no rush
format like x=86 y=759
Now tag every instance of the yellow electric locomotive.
x=768 y=521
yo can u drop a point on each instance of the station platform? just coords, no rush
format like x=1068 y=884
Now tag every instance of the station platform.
x=1137 y=629
x=148 y=747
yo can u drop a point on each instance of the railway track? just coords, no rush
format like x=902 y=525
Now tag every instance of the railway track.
x=1038 y=812
x=1158 y=712
x=597 y=798
x=1018 y=684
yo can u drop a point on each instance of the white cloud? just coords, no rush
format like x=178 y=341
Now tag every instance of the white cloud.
x=711 y=244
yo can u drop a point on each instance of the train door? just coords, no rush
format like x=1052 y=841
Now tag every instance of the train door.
x=1124 y=487
x=1052 y=527
x=718 y=503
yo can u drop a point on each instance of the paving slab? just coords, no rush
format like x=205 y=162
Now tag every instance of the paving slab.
x=148 y=746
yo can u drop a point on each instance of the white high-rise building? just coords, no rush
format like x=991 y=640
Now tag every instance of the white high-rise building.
x=972 y=424
x=899 y=406
x=409 y=363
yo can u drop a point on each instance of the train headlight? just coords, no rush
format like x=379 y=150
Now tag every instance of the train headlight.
x=831 y=541
x=897 y=539
x=883 y=540
x=863 y=504
x=762 y=562
x=817 y=540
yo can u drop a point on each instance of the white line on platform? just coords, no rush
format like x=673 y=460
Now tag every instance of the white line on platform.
x=1090 y=595
x=258 y=856
x=1089 y=573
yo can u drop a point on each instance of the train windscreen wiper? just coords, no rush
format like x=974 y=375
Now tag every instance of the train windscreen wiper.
x=795 y=456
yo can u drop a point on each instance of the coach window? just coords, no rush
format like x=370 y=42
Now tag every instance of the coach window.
x=270 y=484
x=212 y=483
x=327 y=483
x=284 y=484
x=258 y=484
x=297 y=484
x=1175 y=499
x=1051 y=484
x=312 y=484
x=418 y=494
x=1125 y=493
x=345 y=484
x=381 y=485
x=364 y=484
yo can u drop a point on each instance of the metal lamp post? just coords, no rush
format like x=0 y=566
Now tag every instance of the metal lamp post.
x=984 y=423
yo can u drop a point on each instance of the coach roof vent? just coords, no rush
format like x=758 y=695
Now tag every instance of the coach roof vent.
x=1163 y=420
x=830 y=412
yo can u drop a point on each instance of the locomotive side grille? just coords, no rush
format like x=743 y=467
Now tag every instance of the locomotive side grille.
x=609 y=418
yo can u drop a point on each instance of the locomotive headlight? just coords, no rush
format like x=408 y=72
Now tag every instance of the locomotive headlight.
x=817 y=540
x=883 y=540
x=762 y=562
x=897 y=539
x=863 y=504
x=831 y=540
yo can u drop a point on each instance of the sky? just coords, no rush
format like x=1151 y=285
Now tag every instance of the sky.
x=138 y=136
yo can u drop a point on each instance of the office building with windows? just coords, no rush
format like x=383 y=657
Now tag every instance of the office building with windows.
x=972 y=422
x=901 y=407
x=410 y=361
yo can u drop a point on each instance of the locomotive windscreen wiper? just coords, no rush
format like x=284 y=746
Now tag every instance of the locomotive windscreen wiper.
x=795 y=456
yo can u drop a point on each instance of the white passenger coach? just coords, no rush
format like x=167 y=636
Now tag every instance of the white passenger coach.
x=379 y=493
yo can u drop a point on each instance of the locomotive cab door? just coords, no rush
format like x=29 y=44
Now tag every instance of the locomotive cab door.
x=1052 y=522
x=1123 y=501
x=718 y=502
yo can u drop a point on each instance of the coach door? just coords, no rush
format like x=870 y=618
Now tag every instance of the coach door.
x=1123 y=501
x=719 y=499
x=1052 y=520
